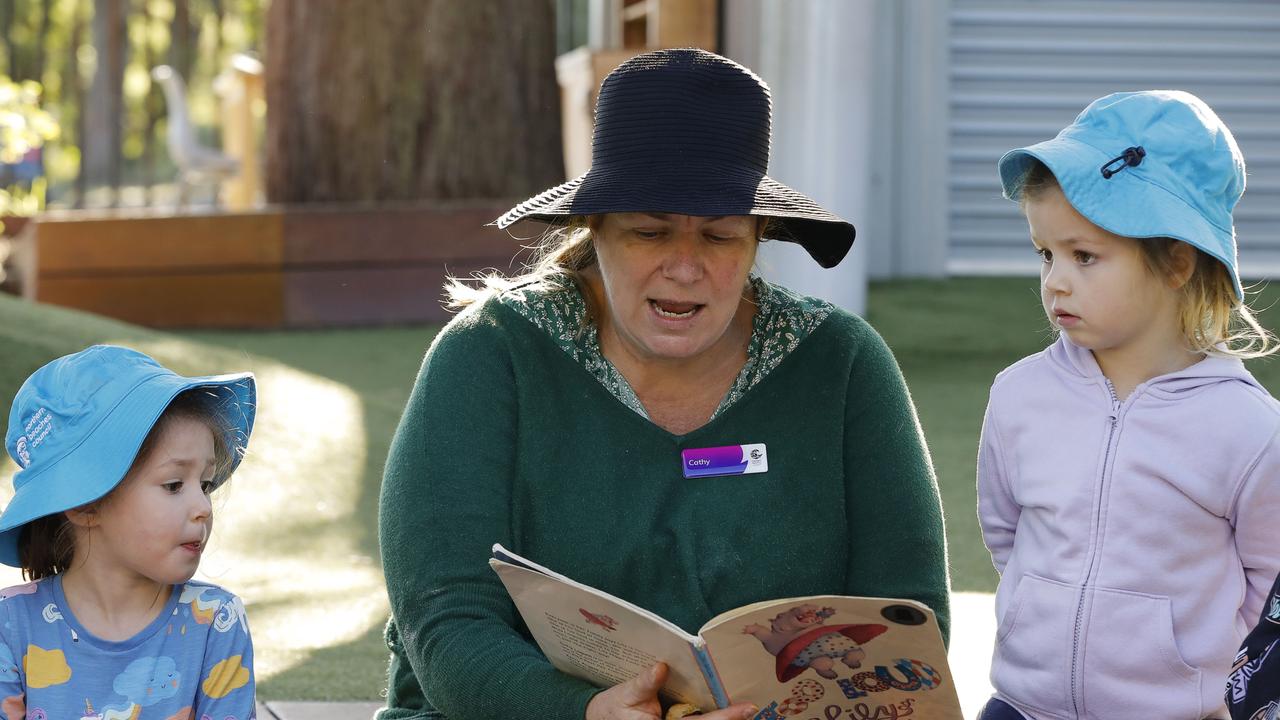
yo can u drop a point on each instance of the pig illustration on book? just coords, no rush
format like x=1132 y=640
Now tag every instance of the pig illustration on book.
x=800 y=640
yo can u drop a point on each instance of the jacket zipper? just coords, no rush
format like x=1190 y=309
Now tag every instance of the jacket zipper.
x=1093 y=556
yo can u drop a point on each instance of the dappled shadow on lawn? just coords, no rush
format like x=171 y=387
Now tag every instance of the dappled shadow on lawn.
x=302 y=545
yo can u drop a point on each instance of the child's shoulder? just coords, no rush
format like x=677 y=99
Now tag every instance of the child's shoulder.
x=1028 y=369
x=210 y=604
x=25 y=592
x=205 y=593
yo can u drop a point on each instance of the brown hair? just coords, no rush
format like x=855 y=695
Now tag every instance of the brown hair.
x=1211 y=319
x=561 y=252
x=46 y=545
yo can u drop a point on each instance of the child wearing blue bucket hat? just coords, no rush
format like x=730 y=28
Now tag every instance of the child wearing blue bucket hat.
x=1127 y=473
x=117 y=456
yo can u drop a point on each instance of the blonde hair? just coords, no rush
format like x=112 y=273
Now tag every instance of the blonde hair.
x=560 y=253
x=1211 y=319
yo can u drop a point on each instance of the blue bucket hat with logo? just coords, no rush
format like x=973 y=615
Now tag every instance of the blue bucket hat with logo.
x=77 y=423
x=1157 y=163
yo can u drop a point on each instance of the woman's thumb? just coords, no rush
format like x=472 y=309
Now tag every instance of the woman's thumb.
x=645 y=686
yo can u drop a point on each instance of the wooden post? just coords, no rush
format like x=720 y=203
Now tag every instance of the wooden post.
x=241 y=89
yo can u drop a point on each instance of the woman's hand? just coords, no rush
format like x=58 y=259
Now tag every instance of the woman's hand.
x=637 y=699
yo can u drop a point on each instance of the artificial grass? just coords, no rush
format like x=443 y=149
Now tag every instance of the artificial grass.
x=296 y=529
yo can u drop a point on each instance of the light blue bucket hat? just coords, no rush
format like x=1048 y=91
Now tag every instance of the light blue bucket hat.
x=1157 y=163
x=77 y=423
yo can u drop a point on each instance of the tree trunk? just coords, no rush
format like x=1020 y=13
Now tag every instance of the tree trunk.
x=453 y=100
x=7 y=11
x=78 y=93
x=184 y=39
x=153 y=104
x=104 y=113
x=42 y=44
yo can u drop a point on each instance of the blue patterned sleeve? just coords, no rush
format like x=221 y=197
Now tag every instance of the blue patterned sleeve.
x=226 y=669
x=12 y=684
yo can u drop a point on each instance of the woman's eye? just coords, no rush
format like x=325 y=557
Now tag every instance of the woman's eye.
x=719 y=238
x=647 y=234
x=1046 y=255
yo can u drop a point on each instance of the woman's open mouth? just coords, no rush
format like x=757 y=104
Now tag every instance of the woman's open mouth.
x=674 y=310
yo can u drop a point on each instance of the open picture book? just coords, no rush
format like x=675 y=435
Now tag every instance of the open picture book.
x=827 y=656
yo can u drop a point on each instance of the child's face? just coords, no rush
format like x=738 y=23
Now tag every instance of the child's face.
x=156 y=522
x=1095 y=285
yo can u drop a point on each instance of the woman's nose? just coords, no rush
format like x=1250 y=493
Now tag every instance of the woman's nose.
x=683 y=262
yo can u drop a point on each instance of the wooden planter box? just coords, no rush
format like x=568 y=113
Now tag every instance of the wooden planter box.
x=281 y=267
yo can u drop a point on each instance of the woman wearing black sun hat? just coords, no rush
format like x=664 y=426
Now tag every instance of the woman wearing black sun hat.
x=556 y=413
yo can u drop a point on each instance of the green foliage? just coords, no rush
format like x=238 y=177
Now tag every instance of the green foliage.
x=23 y=127
x=50 y=42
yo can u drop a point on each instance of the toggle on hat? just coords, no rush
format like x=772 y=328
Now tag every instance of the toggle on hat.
x=1156 y=163
x=77 y=423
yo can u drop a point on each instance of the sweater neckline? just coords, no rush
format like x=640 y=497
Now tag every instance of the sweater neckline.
x=719 y=418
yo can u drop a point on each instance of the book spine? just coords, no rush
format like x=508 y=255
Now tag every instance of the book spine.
x=709 y=675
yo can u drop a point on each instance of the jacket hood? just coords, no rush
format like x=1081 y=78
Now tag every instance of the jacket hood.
x=1079 y=362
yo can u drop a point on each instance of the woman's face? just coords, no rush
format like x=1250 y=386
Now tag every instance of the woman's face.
x=672 y=283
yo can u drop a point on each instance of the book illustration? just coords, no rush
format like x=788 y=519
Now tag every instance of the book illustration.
x=823 y=657
x=603 y=621
x=800 y=641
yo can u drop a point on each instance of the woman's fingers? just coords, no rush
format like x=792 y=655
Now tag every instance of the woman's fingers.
x=741 y=711
x=635 y=699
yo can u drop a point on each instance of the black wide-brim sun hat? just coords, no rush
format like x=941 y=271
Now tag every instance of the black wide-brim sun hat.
x=687 y=131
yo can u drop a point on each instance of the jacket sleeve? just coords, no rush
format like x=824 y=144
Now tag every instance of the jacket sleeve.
x=998 y=511
x=887 y=467
x=1257 y=507
x=446 y=498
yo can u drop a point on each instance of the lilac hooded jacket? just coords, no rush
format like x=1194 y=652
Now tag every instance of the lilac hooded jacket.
x=1136 y=540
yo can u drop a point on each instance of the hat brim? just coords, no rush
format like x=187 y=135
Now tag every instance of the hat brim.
x=827 y=237
x=97 y=465
x=1126 y=204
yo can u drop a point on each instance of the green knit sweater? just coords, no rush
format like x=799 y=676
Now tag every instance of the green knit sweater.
x=507 y=439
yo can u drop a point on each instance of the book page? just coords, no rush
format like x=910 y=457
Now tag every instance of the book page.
x=830 y=657
x=595 y=636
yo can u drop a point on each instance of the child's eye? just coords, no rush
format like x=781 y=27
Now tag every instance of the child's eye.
x=1046 y=255
x=173 y=487
x=1085 y=258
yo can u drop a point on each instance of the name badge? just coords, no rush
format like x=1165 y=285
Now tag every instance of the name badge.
x=726 y=460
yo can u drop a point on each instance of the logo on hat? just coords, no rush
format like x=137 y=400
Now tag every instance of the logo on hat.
x=36 y=429
x=20 y=447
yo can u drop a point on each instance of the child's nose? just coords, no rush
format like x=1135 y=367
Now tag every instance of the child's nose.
x=1055 y=280
x=202 y=508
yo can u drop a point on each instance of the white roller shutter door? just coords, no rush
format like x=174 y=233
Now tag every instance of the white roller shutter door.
x=1022 y=70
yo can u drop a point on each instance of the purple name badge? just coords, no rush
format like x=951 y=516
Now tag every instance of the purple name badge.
x=726 y=460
